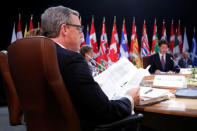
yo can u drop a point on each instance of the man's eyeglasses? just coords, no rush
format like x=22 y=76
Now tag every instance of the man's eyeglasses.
x=79 y=27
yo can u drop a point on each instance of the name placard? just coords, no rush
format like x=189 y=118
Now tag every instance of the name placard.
x=170 y=81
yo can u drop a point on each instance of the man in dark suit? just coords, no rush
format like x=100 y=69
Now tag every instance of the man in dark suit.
x=93 y=107
x=162 y=61
x=185 y=61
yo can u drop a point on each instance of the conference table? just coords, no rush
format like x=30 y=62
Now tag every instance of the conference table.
x=173 y=114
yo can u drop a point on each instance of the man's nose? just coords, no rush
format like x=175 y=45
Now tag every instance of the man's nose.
x=81 y=35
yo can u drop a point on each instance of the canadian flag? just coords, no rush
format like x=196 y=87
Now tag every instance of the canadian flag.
x=19 y=34
x=93 y=40
x=179 y=36
x=31 y=23
x=113 y=49
x=172 y=37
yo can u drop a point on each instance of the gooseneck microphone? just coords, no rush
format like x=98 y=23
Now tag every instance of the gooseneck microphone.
x=93 y=62
x=176 y=65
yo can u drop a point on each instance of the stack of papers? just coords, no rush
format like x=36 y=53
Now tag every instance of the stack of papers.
x=150 y=95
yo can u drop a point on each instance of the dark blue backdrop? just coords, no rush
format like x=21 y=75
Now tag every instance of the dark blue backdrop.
x=140 y=9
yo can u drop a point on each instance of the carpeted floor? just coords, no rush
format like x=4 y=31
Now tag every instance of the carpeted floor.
x=4 y=121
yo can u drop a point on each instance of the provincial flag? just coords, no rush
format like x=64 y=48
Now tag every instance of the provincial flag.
x=82 y=39
x=25 y=32
x=164 y=36
x=145 y=50
x=176 y=50
x=185 y=42
x=103 y=51
x=87 y=42
x=13 y=39
x=124 y=42
x=155 y=41
x=134 y=48
x=193 y=53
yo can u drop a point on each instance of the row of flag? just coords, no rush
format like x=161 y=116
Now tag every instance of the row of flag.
x=108 y=54
x=19 y=34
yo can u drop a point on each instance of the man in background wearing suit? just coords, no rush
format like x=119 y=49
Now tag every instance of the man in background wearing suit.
x=93 y=107
x=162 y=61
x=185 y=62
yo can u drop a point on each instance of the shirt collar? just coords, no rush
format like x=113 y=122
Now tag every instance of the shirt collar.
x=160 y=55
x=60 y=45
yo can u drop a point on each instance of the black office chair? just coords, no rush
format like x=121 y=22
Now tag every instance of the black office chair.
x=43 y=95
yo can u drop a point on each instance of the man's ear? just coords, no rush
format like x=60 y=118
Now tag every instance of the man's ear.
x=64 y=29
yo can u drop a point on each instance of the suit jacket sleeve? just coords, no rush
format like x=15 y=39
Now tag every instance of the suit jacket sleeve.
x=89 y=100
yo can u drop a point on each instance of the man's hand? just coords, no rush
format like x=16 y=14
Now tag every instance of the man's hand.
x=157 y=72
x=135 y=94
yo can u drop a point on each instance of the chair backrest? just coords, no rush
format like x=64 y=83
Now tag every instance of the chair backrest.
x=14 y=107
x=145 y=61
x=40 y=87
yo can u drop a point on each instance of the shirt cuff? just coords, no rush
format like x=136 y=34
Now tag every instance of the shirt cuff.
x=132 y=103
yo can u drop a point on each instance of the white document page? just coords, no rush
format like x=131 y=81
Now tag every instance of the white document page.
x=120 y=77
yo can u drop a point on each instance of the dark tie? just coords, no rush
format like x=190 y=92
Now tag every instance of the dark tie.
x=185 y=63
x=163 y=62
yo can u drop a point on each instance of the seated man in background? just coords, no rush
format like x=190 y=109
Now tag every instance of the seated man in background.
x=62 y=25
x=162 y=61
x=185 y=61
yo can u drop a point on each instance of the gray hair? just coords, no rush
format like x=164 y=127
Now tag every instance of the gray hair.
x=53 y=18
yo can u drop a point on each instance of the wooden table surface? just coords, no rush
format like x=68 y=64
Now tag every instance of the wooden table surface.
x=174 y=106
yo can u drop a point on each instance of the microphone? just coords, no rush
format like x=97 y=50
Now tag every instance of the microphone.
x=93 y=62
x=176 y=65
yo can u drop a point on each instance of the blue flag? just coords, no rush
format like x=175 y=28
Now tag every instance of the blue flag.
x=88 y=37
x=193 y=53
x=123 y=46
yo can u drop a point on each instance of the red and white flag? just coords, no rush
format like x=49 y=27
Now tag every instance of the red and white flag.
x=93 y=40
x=172 y=37
x=19 y=34
x=31 y=23
x=179 y=36
x=113 y=49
